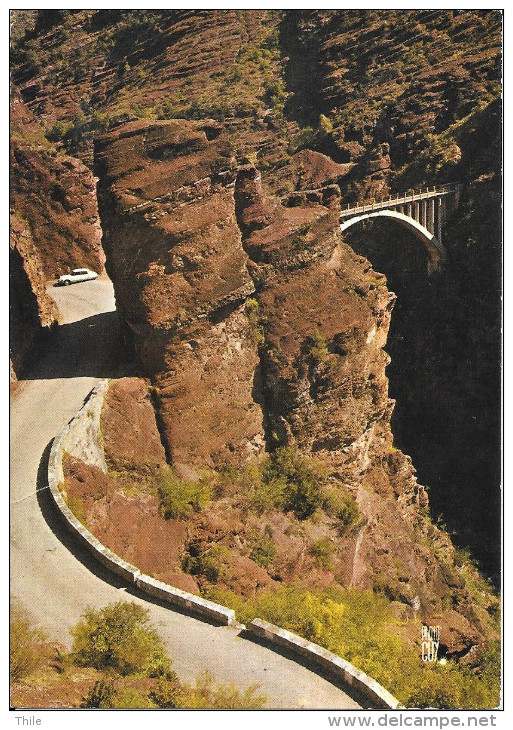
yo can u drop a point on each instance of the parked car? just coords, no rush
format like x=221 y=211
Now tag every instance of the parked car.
x=77 y=275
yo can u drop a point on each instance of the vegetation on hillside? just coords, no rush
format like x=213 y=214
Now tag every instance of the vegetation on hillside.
x=409 y=98
x=235 y=82
x=27 y=645
x=361 y=627
x=339 y=81
x=117 y=661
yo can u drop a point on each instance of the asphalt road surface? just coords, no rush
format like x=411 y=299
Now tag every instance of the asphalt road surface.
x=54 y=580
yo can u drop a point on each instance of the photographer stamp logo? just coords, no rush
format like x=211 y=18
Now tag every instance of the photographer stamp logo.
x=430 y=643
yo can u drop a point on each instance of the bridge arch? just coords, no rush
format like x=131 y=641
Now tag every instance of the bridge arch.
x=433 y=246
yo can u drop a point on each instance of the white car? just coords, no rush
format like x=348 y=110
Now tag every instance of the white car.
x=77 y=275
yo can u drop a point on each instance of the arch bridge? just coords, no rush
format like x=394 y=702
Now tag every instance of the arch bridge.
x=422 y=212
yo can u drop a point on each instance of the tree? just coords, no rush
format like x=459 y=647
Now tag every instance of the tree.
x=119 y=637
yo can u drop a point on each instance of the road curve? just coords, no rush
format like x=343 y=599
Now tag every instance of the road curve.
x=54 y=580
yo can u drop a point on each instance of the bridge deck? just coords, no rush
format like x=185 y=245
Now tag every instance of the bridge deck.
x=399 y=200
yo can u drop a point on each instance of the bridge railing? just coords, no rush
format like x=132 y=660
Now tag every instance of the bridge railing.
x=400 y=199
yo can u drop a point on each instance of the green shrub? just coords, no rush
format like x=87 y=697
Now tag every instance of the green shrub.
x=338 y=502
x=57 y=132
x=274 y=92
x=266 y=495
x=170 y=108
x=325 y=124
x=170 y=693
x=106 y=695
x=131 y=699
x=490 y=669
x=263 y=552
x=359 y=626
x=302 y=479
x=255 y=319
x=286 y=481
x=77 y=506
x=26 y=646
x=101 y=695
x=317 y=348
x=322 y=551
x=167 y=694
x=456 y=686
x=205 y=695
x=307 y=137
x=244 y=609
x=214 y=563
x=119 y=637
x=179 y=498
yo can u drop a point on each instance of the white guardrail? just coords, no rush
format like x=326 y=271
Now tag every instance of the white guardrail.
x=316 y=655
x=106 y=557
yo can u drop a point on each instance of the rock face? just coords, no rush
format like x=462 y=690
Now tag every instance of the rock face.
x=119 y=506
x=131 y=439
x=260 y=328
x=31 y=311
x=55 y=194
x=54 y=227
x=175 y=256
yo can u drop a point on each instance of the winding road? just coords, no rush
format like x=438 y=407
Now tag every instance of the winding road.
x=55 y=580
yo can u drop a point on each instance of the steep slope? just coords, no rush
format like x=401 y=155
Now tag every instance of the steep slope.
x=445 y=345
x=81 y=72
x=31 y=311
x=391 y=82
x=55 y=194
x=258 y=326
x=54 y=226
x=260 y=329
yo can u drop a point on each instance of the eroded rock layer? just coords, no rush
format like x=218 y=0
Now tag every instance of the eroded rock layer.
x=175 y=256
x=54 y=227
x=260 y=329
x=55 y=194
x=31 y=311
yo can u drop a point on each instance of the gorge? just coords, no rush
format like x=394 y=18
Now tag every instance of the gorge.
x=223 y=145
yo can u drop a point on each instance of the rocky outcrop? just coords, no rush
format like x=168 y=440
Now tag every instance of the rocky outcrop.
x=260 y=328
x=54 y=227
x=31 y=311
x=309 y=170
x=324 y=316
x=131 y=439
x=55 y=195
x=175 y=256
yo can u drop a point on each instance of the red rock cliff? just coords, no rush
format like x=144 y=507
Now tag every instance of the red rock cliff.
x=261 y=328
x=54 y=226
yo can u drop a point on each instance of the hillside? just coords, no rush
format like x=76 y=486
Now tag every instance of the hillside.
x=215 y=148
